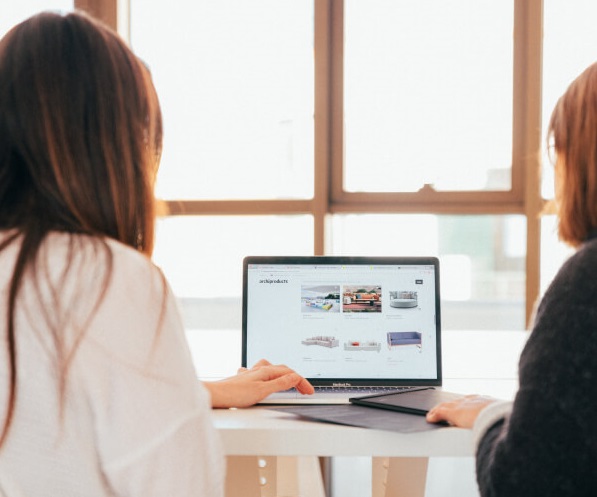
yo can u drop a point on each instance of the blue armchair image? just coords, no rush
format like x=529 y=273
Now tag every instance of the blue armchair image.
x=398 y=338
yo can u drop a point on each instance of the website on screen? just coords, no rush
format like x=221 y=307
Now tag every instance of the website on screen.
x=338 y=321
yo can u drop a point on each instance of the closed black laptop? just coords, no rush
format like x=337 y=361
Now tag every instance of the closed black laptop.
x=418 y=401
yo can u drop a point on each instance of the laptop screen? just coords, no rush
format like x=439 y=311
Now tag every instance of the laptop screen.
x=364 y=320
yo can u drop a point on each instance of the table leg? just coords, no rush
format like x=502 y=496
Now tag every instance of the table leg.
x=379 y=474
x=242 y=477
x=256 y=476
x=399 y=476
x=325 y=466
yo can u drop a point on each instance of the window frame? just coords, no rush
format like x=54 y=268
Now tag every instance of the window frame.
x=329 y=197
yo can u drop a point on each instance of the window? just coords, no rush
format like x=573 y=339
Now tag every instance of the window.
x=377 y=126
x=235 y=79
x=427 y=95
x=340 y=127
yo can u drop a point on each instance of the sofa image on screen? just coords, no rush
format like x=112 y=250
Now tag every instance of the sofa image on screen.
x=323 y=341
x=399 y=338
x=370 y=345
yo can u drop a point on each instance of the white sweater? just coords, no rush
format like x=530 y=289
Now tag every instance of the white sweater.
x=134 y=420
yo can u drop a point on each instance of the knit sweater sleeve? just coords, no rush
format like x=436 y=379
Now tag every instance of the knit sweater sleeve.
x=548 y=443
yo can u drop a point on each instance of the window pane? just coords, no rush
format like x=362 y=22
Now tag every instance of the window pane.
x=569 y=43
x=482 y=260
x=428 y=95
x=235 y=79
x=14 y=12
x=202 y=258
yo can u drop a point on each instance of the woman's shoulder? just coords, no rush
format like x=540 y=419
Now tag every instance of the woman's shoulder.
x=103 y=278
x=130 y=263
x=86 y=245
x=568 y=306
x=119 y=296
x=578 y=268
x=88 y=257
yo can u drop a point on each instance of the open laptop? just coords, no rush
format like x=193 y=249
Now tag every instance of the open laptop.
x=350 y=325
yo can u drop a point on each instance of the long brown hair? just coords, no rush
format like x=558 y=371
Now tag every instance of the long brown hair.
x=573 y=134
x=80 y=139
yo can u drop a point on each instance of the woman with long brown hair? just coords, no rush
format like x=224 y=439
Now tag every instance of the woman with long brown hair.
x=545 y=442
x=97 y=385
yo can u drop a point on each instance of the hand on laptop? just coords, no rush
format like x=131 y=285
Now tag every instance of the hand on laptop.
x=250 y=386
x=461 y=412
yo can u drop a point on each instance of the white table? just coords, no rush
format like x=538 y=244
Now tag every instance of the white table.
x=267 y=445
x=260 y=431
x=268 y=438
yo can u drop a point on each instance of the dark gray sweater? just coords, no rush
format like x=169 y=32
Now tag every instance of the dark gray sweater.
x=548 y=444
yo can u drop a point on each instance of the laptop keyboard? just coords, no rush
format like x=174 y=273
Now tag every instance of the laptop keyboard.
x=360 y=390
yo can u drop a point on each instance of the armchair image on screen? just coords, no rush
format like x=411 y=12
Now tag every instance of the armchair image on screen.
x=400 y=338
x=404 y=300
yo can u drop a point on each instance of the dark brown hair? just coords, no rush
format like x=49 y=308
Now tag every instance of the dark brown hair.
x=80 y=139
x=573 y=134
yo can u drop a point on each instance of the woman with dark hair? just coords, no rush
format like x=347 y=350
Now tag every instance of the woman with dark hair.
x=545 y=442
x=99 y=391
